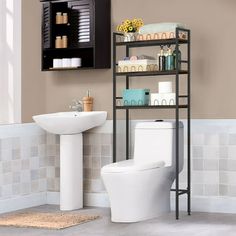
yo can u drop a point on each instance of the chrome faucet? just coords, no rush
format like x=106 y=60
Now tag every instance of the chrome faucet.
x=76 y=105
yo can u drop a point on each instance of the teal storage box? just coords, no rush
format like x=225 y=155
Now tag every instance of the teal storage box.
x=136 y=97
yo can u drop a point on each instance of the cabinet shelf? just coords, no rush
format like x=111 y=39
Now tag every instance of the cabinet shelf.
x=88 y=32
x=151 y=107
x=151 y=73
x=65 y=49
x=150 y=43
x=70 y=68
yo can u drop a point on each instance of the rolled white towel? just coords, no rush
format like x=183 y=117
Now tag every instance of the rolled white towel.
x=160 y=27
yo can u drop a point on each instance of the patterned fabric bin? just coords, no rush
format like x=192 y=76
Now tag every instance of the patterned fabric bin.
x=137 y=65
x=161 y=35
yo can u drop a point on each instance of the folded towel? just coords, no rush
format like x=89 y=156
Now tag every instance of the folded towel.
x=160 y=27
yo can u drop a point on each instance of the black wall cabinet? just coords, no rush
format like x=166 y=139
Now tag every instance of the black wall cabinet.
x=90 y=16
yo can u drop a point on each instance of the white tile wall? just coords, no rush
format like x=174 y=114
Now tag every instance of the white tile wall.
x=29 y=159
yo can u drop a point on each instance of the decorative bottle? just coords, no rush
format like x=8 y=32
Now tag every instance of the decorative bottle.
x=162 y=60
x=170 y=60
x=177 y=59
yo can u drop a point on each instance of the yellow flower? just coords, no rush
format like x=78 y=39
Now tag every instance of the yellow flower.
x=134 y=21
x=118 y=28
x=127 y=22
x=131 y=29
x=130 y=25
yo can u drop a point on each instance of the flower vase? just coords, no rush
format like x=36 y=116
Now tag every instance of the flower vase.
x=130 y=37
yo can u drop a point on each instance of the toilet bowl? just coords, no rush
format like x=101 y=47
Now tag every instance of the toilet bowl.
x=139 y=189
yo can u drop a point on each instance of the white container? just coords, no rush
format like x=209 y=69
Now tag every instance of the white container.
x=66 y=62
x=76 y=62
x=57 y=63
x=163 y=99
x=165 y=87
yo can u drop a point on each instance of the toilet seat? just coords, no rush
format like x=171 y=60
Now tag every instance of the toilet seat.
x=130 y=165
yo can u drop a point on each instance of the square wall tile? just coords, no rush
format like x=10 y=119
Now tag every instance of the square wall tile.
x=231 y=165
x=211 y=177
x=232 y=139
x=34 y=151
x=197 y=189
x=106 y=150
x=211 y=152
x=223 y=165
x=232 y=190
x=211 y=165
x=197 y=164
x=211 y=190
x=197 y=151
x=223 y=190
x=223 y=139
x=211 y=139
x=16 y=154
x=232 y=152
x=96 y=162
x=224 y=152
x=197 y=139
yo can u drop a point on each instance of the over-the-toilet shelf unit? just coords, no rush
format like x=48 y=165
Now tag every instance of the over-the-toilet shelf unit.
x=179 y=105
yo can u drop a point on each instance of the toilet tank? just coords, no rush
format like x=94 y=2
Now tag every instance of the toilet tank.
x=155 y=141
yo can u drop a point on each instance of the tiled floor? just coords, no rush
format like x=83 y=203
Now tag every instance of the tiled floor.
x=199 y=224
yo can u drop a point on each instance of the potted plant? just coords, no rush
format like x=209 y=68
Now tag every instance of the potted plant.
x=130 y=29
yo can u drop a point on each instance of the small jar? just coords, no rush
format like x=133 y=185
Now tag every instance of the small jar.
x=88 y=104
x=64 y=41
x=65 y=18
x=59 y=18
x=58 y=42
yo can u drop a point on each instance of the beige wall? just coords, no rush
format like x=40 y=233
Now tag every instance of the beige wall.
x=213 y=59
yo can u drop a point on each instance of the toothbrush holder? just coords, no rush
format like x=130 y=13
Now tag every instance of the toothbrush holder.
x=88 y=104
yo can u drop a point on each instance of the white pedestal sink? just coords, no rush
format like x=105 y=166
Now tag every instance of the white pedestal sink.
x=70 y=125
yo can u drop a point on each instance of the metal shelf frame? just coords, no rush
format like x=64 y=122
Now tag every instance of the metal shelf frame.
x=187 y=105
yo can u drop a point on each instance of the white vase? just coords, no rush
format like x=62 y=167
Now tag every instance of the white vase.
x=130 y=37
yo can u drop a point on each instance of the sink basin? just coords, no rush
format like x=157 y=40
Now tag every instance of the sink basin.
x=70 y=126
x=66 y=123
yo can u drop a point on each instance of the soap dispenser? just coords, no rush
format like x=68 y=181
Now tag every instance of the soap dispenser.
x=169 y=59
x=162 y=60
x=88 y=102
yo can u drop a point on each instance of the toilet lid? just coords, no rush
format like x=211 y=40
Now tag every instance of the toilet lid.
x=130 y=165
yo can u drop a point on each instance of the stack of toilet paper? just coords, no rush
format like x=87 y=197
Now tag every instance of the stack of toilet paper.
x=165 y=96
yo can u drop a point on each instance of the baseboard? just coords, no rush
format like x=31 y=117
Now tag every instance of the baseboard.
x=199 y=203
x=96 y=199
x=22 y=202
x=207 y=204
x=90 y=199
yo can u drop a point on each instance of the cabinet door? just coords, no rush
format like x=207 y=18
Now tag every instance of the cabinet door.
x=82 y=22
x=46 y=25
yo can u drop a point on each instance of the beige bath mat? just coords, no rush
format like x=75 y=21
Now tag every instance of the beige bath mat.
x=45 y=220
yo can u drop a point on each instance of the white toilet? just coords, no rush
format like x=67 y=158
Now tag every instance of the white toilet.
x=139 y=189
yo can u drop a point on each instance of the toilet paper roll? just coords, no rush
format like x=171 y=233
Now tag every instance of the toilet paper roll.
x=57 y=63
x=76 y=62
x=66 y=62
x=165 y=87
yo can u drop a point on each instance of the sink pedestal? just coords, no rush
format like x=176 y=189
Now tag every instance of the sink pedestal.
x=71 y=172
